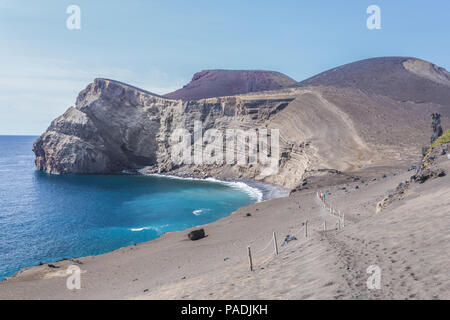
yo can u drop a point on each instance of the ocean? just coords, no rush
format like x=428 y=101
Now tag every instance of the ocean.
x=46 y=218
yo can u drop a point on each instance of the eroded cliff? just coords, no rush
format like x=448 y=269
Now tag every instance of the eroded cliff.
x=115 y=127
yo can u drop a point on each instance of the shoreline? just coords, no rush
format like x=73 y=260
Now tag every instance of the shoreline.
x=327 y=264
x=260 y=191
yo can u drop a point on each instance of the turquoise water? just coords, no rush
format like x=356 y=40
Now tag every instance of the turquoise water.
x=45 y=218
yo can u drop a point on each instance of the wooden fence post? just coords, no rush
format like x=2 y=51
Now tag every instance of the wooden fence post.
x=250 y=258
x=275 y=242
x=306 y=228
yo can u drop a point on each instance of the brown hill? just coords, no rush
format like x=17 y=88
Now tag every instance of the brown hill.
x=218 y=83
x=400 y=78
x=355 y=118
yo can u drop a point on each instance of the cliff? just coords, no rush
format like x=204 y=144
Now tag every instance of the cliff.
x=323 y=125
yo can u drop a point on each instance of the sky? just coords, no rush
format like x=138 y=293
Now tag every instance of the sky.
x=159 y=45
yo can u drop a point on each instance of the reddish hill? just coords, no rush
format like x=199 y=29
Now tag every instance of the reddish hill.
x=217 y=83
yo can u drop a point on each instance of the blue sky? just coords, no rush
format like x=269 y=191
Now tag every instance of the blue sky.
x=159 y=45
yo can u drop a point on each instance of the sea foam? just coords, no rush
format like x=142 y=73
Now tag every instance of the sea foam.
x=253 y=192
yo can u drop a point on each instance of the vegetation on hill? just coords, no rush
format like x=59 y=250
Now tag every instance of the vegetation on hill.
x=445 y=138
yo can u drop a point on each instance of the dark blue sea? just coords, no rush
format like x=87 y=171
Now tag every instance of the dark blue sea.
x=45 y=218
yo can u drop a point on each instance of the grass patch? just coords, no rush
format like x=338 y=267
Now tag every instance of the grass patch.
x=445 y=138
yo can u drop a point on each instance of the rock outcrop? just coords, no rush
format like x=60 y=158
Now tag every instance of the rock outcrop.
x=434 y=165
x=115 y=127
x=436 y=126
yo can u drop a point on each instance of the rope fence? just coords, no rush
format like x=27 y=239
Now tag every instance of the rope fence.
x=273 y=242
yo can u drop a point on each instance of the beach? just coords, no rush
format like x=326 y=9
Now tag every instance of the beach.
x=412 y=250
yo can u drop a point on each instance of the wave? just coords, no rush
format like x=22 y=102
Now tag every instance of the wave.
x=138 y=229
x=200 y=211
x=158 y=229
x=254 y=192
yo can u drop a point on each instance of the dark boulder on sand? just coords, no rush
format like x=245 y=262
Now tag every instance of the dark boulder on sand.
x=196 y=234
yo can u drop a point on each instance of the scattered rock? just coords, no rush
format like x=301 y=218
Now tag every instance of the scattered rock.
x=423 y=175
x=77 y=261
x=196 y=234
x=424 y=150
x=52 y=266
x=397 y=194
x=248 y=214
x=288 y=239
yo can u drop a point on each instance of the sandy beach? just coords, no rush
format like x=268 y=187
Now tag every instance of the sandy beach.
x=408 y=241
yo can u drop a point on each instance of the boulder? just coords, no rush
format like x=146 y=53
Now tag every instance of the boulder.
x=196 y=234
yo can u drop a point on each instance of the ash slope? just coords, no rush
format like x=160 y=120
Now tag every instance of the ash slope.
x=408 y=241
x=374 y=113
x=218 y=83
x=400 y=78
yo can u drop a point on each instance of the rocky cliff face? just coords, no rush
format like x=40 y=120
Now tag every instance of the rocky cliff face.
x=115 y=127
